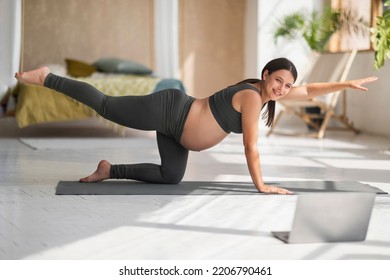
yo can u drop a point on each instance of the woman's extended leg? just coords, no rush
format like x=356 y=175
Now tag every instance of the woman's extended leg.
x=139 y=112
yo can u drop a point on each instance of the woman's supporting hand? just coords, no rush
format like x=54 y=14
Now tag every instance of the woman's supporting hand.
x=273 y=190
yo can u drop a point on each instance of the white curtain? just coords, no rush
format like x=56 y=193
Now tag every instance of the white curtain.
x=10 y=40
x=166 y=38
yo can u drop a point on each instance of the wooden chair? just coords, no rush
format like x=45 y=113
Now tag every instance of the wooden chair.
x=327 y=67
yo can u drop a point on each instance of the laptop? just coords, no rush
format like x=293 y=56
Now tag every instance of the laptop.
x=330 y=217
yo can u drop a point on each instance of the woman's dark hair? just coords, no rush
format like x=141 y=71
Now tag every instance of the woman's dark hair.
x=272 y=66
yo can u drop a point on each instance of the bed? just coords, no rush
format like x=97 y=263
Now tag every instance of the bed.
x=37 y=105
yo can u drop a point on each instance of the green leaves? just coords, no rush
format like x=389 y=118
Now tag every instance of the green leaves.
x=317 y=28
x=380 y=37
x=290 y=26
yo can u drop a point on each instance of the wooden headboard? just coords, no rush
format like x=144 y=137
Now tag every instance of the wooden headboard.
x=53 y=30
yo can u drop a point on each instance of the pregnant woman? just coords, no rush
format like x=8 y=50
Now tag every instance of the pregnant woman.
x=183 y=123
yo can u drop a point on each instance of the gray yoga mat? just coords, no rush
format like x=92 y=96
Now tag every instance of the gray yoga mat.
x=205 y=188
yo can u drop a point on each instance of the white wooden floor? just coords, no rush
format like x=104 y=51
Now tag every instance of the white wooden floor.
x=37 y=224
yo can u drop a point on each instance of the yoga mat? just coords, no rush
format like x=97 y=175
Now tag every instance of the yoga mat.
x=205 y=188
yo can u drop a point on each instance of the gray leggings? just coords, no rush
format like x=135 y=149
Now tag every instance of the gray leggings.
x=164 y=111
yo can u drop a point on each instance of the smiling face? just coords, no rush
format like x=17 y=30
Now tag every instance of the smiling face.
x=277 y=84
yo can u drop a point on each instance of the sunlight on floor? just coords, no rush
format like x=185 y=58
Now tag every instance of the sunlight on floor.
x=365 y=164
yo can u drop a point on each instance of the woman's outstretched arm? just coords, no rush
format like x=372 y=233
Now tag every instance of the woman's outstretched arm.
x=312 y=90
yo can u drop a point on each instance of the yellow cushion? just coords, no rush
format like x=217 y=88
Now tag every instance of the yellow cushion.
x=76 y=68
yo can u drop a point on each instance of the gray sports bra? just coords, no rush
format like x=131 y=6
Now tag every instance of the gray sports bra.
x=222 y=107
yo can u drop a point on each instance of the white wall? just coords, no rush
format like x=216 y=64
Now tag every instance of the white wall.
x=370 y=111
x=10 y=26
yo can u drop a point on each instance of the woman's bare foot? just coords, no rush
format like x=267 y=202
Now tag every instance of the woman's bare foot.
x=34 y=77
x=102 y=173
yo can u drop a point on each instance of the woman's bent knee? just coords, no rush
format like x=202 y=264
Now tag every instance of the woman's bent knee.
x=172 y=177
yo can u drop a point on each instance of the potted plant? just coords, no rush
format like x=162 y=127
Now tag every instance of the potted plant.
x=317 y=28
x=380 y=37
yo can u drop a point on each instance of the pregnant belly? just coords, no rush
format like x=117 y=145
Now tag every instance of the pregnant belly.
x=201 y=130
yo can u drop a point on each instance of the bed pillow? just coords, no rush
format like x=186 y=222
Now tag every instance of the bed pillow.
x=117 y=65
x=77 y=68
